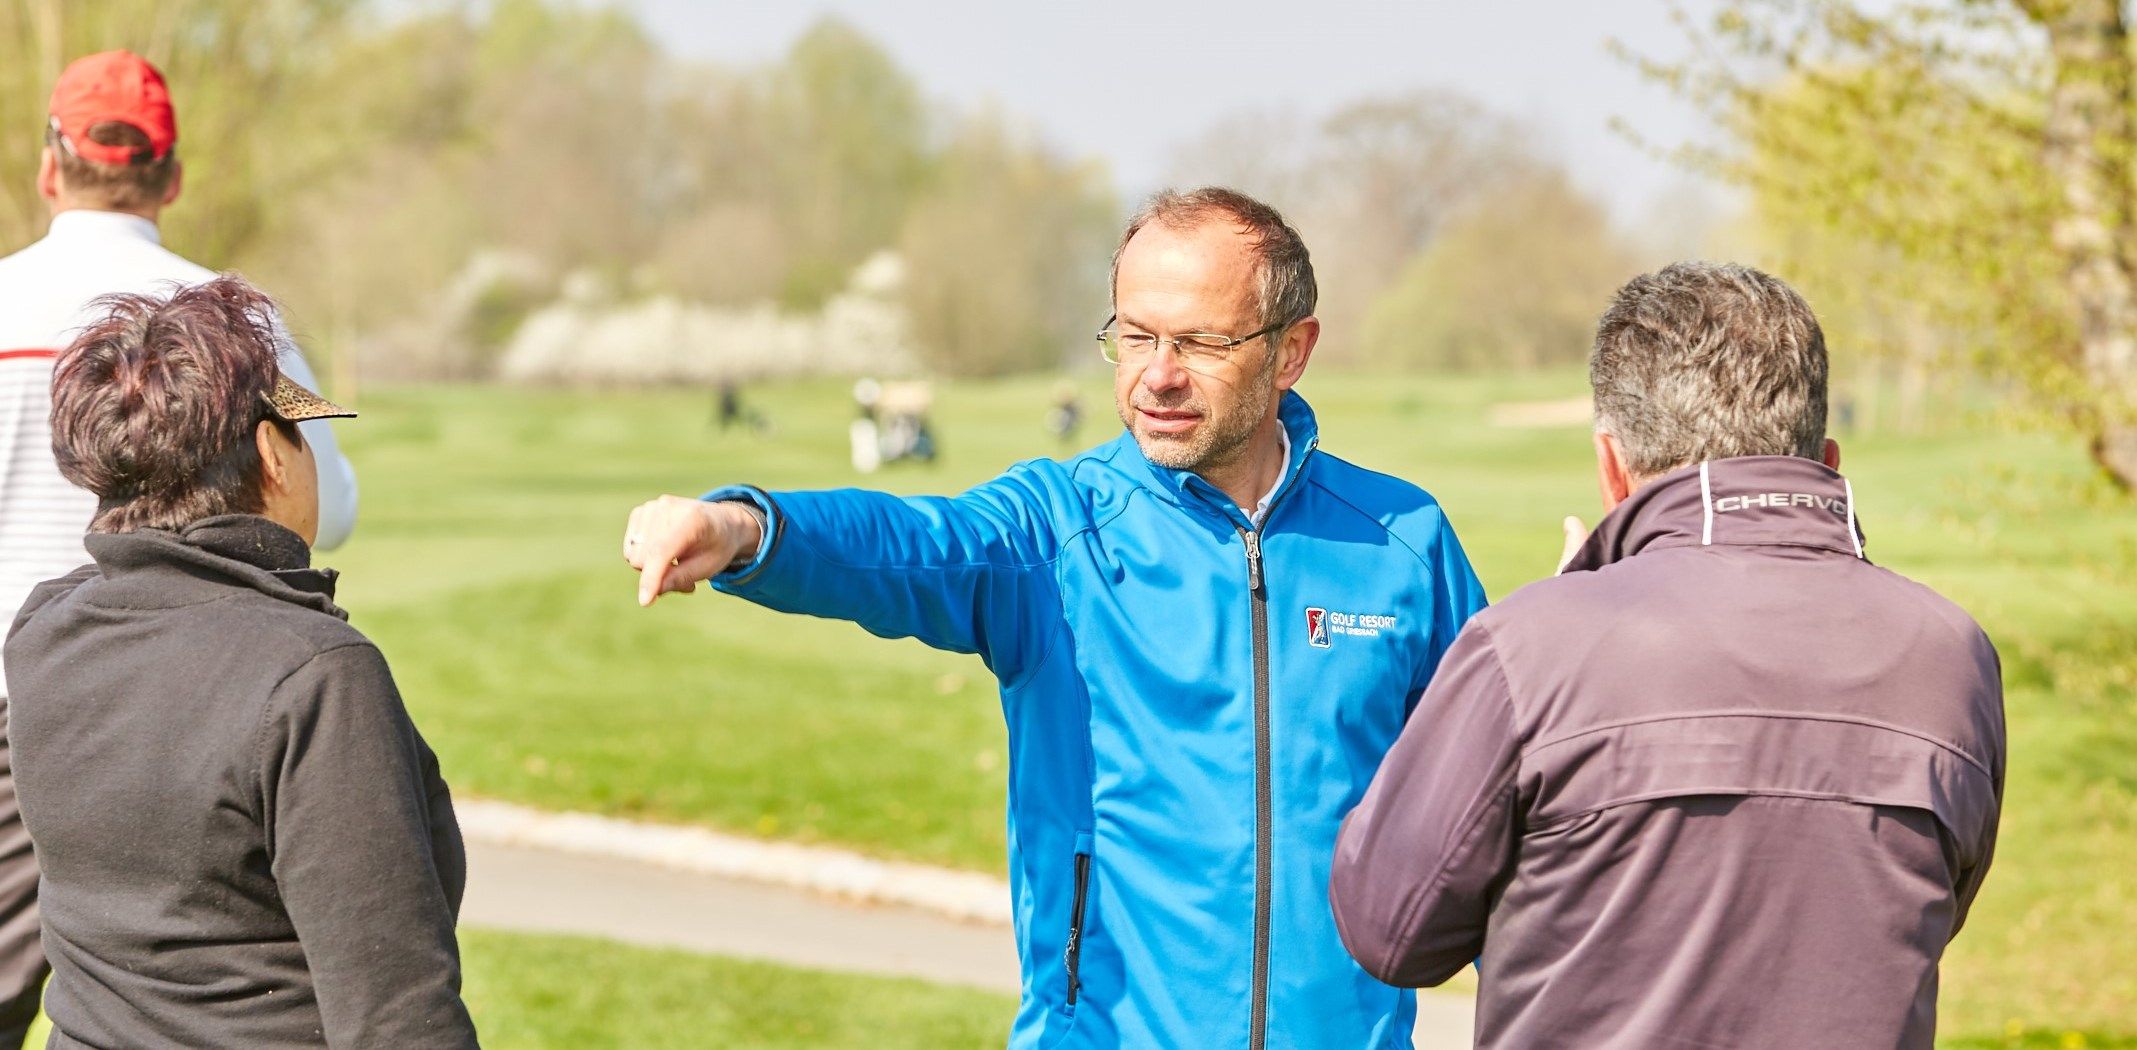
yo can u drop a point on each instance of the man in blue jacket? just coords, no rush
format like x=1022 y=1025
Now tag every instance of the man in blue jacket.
x=1208 y=632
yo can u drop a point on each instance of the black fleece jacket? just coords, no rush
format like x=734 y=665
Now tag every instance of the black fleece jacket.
x=244 y=841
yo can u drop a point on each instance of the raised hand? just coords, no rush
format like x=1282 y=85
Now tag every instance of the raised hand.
x=1576 y=534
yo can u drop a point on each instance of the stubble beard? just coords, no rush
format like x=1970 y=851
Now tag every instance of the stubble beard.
x=1216 y=442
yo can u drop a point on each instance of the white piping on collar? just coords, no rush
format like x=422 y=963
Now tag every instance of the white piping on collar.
x=1706 y=503
x=1853 y=536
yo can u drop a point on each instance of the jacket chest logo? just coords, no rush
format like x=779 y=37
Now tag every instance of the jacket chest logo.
x=1322 y=625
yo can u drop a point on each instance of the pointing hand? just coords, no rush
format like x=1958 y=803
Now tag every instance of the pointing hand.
x=675 y=542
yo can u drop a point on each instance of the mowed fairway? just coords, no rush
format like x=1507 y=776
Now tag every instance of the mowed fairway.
x=488 y=565
x=548 y=993
x=530 y=992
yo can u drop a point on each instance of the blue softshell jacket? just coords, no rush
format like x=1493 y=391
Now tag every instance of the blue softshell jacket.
x=1193 y=706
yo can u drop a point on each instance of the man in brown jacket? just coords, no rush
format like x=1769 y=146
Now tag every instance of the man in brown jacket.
x=1721 y=783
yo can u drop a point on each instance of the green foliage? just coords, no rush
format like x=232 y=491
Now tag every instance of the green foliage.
x=1441 y=236
x=1367 y=186
x=404 y=146
x=1514 y=281
x=560 y=148
x=849 y=153
x=1903 y=164
x=985 y=301
x=1917 y=220
x=221 y=57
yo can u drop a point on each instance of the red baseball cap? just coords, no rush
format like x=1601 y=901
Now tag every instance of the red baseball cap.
x=115 y=86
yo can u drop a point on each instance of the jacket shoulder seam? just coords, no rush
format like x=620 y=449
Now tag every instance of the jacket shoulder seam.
x=1808 y=716
x=273 y=704
x=1377 y=523
x=1835 y=797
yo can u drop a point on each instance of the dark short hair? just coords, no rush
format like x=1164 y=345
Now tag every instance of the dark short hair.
x=1287 y=292
x=155 y=405
x=136 y=185
x=1705 y=361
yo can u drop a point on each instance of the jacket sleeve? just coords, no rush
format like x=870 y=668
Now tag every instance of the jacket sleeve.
x=351 y=839
x=1420 y=860
x=1968 y=884
x=971 y=573
x=1970 y=879
x=337 y=478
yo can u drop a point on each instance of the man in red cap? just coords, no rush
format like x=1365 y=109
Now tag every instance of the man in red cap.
x=109 y=169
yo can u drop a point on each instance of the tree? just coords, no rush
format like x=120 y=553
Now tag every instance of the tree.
x=849 y=151
x=563 y=145
x=221 y=57
x=426 y=177
x=1514 y=281
x=525 y=130
x=1006 y=255
x=1367 y=186
x=1982 y=147
x=2087 y=150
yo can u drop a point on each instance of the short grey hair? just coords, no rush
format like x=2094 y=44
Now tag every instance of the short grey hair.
x=1706 y=361
x=1287 y=292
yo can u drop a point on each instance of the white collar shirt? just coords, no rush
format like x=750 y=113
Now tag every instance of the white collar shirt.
x=1283 y=470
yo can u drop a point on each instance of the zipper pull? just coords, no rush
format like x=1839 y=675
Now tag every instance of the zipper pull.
x=1253 y=538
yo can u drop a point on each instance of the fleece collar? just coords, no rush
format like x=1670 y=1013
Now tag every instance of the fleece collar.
x=1745 y=501
x=243 y=550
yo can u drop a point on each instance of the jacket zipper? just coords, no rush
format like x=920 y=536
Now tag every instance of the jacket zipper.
x=1263 y=821
x=1074 y=953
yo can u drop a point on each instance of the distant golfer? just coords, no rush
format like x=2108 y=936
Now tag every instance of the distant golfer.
x=1207 y=634
x=1724 y=782
x=110 y=167
x=1065 y=417
x=244 y=841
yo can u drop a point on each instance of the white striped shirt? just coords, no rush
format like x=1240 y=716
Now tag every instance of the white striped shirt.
x=45 y=292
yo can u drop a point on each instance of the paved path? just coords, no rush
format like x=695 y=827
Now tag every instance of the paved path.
x=537 y=890
x=528 y=888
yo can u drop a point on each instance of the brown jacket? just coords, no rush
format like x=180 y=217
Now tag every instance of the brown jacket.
x=1724 y=783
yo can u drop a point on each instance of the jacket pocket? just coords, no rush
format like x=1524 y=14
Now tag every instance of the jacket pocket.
x=1072 y=956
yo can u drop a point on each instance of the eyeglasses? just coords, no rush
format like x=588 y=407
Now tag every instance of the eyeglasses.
x=1201 y=349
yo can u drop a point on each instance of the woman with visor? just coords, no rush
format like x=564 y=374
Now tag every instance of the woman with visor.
x=243 y=839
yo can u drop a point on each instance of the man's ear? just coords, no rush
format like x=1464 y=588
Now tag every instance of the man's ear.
x=1296 y=350
x=48 y=176
x=1831 y=459
x=274 y=470
x=1612 y=476
x=178 y=178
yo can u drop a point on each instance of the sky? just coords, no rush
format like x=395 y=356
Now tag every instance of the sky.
x=1128 y=80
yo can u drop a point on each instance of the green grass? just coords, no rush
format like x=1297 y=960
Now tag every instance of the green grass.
x=531 y=992
x=487 y=565
x=543 y=993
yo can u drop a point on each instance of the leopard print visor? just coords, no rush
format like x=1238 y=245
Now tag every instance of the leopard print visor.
x=294 y=404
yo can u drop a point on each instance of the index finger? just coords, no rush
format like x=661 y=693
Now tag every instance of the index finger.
x=660 y=552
